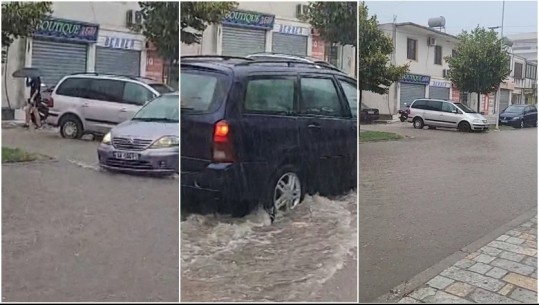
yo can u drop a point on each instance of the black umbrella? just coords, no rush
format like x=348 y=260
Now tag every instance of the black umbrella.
x=27 y=73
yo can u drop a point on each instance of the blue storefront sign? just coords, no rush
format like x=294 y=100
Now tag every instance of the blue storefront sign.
x=249 y=19
x=63 y=29
x=415 y=79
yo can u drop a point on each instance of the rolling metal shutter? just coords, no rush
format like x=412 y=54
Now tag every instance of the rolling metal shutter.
x=117 y=61
x=289 y=44
x=410 y=92
x=504 y=99
x=242 y=41
x=439 y=93
x=58 y=59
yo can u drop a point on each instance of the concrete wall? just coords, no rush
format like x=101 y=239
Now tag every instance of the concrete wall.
x=425 y=53
x=14 y=88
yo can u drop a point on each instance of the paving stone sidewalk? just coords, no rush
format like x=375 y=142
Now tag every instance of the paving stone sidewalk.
x=503 y=271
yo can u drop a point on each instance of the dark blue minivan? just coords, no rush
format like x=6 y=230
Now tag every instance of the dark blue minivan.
x=265 y=132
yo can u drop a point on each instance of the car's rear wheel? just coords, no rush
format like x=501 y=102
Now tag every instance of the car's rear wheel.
x=465 y=127
x=285 y=192
x=418 y=123
x=71 y=127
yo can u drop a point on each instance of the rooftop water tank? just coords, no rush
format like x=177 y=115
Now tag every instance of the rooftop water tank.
x=437 y=22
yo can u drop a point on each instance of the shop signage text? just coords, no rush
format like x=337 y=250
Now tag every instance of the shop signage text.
x=292 y=30
x=249 y=19
x=439 y=83
x=120 y=43
x=67 y=30
x=416 y=79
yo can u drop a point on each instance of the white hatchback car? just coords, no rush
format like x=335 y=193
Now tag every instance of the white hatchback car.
x=92 y=103
x=444 y=113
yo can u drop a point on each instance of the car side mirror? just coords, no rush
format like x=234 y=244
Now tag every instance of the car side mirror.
x=456 y=111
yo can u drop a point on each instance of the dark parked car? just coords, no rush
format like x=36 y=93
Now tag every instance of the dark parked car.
x=519 y=116
x=368 y=114
x=264 y=132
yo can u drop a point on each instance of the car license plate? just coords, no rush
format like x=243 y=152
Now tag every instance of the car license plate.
x=504 y=121
x=125 y=155
x=370 y=112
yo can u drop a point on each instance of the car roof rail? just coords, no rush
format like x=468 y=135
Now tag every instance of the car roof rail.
x=77 y=73
x=221 y=57
x=111 y=74
x=289 y=62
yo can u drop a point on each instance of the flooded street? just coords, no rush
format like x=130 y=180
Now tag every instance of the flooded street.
x=225 y=259
x=434 y=192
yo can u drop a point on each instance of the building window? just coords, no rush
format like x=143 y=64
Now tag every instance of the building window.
x=518 y=71
x=438 y=55
x=454 y=53
x=412 y=49
x=531 y=71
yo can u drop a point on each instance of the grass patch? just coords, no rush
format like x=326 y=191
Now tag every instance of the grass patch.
x=377 y=136
x=13 y=155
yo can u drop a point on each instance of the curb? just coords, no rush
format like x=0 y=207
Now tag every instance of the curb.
x=420 y=279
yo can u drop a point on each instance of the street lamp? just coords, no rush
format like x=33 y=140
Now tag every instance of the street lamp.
x=498 y=95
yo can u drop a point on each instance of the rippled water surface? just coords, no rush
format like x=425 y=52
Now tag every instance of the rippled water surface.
x=247 y=259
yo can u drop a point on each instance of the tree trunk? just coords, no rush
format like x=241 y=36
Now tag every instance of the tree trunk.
x=478 y=102
x=360 y=96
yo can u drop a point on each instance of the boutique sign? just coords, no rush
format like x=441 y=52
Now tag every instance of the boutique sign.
x=249 y=19
x=416 y=79
x=67 y=30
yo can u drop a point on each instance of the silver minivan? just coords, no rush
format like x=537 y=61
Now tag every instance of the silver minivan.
x=443 y=113
x=93 y=103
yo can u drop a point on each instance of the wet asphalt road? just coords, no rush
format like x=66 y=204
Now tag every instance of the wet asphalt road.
x=427 y=196
x=71 y=233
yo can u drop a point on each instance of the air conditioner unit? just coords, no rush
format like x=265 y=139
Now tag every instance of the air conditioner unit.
x=432 y=41
x=302 y=10
x=444 y=71
x=133 y=17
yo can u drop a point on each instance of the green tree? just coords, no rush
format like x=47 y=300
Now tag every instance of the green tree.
x=160 y=26
x=336 y=21
x=480 y=63
x=375 y=71
x=20 y=19
x=196 y=16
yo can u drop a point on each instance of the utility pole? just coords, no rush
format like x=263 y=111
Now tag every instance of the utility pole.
x=498 y=94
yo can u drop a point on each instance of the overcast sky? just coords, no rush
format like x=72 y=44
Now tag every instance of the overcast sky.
x=520 y=16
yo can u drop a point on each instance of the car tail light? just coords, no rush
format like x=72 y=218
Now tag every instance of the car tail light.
x=50 y=102
x=408 y=111
x=222 y=143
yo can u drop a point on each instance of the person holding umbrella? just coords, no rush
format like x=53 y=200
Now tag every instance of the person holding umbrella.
x=35 y=96
x=33 y=80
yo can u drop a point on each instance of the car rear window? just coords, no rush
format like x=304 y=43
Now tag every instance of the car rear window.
x=202 y=91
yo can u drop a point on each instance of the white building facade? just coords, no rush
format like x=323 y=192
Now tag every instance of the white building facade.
x=525 y=45
x=256 y=27
x=424 y=49
x=82 y=37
